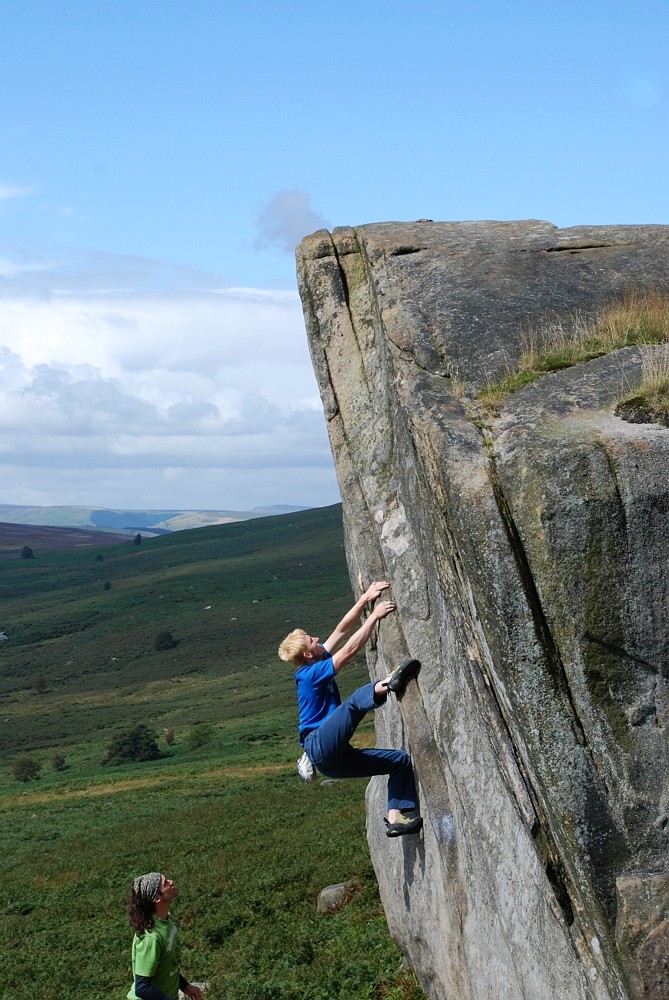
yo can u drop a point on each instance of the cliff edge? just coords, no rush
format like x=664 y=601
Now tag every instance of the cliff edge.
x=527 y=553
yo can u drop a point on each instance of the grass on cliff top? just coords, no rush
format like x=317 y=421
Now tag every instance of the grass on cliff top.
x=639 y=318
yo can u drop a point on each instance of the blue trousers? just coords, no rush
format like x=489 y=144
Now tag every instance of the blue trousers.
x=329 y=751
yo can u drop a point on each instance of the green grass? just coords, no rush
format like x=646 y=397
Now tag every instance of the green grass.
x=639 y=318
x=248 y=843
x=250 y=854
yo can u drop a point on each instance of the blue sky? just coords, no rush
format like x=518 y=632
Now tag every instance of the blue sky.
x=160 y=159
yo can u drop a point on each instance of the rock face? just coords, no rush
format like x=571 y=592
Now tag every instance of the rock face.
x=527 y=554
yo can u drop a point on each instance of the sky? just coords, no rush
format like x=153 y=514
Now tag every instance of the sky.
x=161 y=159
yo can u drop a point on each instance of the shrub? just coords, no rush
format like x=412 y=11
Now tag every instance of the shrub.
x=139 y=744
x=27 y=552
x=58 y=762
x=26 y=769
x=200 y=735
x=107 y=585
x=164 y=640
x=169 y=737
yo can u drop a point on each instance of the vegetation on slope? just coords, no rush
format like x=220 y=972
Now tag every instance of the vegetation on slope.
x=222 y=810
x=227 y=595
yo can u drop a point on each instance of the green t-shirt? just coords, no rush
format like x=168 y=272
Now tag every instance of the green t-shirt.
x=156 y=954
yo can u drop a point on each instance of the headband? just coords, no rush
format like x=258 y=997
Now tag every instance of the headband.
x=147 y=887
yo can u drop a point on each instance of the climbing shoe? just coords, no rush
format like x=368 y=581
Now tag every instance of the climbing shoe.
x=401 y=676
x=306 y=769
x=409 y=822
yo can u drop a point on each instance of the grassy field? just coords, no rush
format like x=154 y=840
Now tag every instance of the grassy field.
x=248 y=843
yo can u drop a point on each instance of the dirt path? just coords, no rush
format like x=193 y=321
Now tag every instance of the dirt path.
x=130 y=784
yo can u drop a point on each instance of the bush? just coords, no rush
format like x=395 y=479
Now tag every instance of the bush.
x=107 y=585
x=169 y=737
x=164 y=640
x=200 y=735
x=27 y=552
x=26 y=769
x=58 y=762
x=139 y=744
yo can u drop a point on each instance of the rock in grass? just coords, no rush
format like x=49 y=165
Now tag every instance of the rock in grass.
x=333 y=897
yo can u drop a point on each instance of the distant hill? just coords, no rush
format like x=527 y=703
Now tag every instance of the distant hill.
x=152 y=522
x=41 y=538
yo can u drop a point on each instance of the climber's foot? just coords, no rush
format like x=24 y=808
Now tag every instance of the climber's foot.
x=405 y=823
x=401 y=676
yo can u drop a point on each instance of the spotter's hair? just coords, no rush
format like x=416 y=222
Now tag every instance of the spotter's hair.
x=141 y=914
x=292 y=648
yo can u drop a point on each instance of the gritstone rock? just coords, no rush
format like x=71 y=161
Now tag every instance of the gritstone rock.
x=527 y=553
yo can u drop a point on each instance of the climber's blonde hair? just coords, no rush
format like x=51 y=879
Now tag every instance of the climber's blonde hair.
x=292 y=648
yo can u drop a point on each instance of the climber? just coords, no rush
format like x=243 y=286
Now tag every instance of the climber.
x=327 y=725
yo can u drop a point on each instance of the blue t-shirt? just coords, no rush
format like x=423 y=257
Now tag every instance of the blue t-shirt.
x=317 y=693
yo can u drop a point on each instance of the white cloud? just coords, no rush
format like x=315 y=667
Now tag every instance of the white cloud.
x=285 y=220
x=8 y=191
x=159 y=398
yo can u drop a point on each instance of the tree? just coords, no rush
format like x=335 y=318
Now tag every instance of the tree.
x=26 y=769
x=139 y=744
x=137 y=540
x=107 y=584
x=27 y=552
x=164 y=640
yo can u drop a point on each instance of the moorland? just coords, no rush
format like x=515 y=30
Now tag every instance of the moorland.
x=221 y=809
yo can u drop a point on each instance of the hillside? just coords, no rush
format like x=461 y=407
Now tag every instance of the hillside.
x=222 y=811
x=84 y=621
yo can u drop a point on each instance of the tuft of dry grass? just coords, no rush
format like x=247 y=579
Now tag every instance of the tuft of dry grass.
x=649 y=403
x=638 y=318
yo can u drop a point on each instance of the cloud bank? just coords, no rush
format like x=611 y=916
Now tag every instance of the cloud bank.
x=115 y=391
